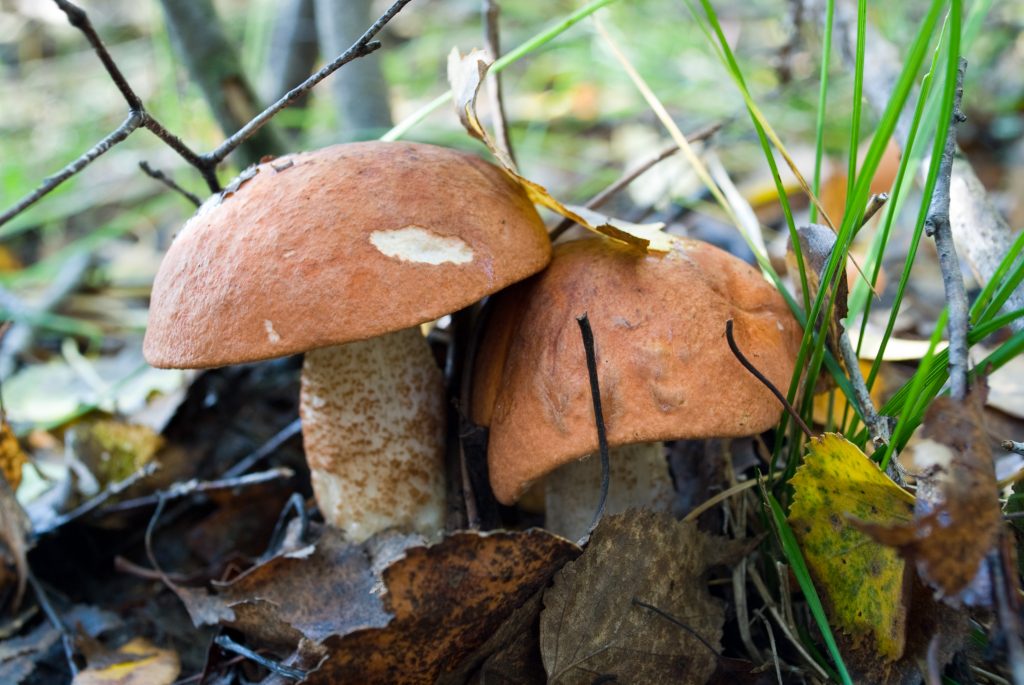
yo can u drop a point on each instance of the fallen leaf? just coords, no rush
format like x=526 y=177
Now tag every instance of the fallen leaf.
x=595 y=626
x=113 y=450
x=447 y=599
x=465 y=74
x=137 y=662
x=956 y=514
x=14 y=529
x=862 y=582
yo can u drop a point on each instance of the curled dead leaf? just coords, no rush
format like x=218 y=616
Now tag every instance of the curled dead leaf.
x=465 y=74
x=956 y=515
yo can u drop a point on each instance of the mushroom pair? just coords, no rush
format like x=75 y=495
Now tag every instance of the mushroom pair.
x=665 y=370
x=342 y=253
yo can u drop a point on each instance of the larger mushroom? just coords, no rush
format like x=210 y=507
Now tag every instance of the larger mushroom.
x=665 y=369
x=341 y=253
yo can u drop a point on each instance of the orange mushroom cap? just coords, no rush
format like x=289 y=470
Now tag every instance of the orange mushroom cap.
x=345 y=243
x=665 y=368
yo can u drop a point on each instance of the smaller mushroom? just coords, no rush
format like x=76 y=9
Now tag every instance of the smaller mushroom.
x=341 y=253
x=664 y=367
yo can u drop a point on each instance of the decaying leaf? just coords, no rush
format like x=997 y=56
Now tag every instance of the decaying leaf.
x=321 y=590
x=12 y=457
x=113 y=450
x=137 y=662
x=862 y=582
x=956 y=513
x=447 y=599
x=14 y=528
x=465 y=74
x=598 y=623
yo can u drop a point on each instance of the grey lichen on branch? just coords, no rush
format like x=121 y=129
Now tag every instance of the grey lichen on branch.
x=937 y=226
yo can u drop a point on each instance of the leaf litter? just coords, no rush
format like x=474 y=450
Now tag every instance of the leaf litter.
x=635 y=606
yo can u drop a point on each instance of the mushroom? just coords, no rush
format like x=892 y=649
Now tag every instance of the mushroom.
x=341 y=253
x=665 y=370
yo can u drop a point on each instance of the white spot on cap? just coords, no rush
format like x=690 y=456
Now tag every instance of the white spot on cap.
x=415 y=244
x=272 y=335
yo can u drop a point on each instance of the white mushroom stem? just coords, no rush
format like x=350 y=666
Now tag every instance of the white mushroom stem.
x=373 y=428
x=638 y=477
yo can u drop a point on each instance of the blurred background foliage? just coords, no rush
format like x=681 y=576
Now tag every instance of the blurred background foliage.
x=575 y=118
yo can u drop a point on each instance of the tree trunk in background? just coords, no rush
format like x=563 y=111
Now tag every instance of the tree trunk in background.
x=213 y=63
x=359 y=89
x=293 y=50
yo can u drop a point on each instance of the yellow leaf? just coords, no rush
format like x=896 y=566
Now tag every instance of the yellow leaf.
x=137 y=662
x=12 y=458
x=861 y=581
x=465 y=74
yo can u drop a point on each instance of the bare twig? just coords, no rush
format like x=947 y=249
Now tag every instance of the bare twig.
x=226 y=643
x=877 y=424
x=66 y=638
x=169 y=182
x=492 y=44
x=937 y=225
x=194 y=486
x=1013 y=446
x=98 y=501
x=265 y=450
x=633 y=173
x=138 y=117
x=135 y=120
x=875 y=203
x=764 y=380
x=595 y=393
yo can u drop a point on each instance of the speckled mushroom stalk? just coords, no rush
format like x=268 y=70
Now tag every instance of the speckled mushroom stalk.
x=373 y=429
x=638 y=477
x=340 y=254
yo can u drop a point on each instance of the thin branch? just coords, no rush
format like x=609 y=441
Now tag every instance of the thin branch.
x=764 y=380
x=632 y=173
x=879 y=425
x=169 y=182
x=227 y=644
x=677 y=622
x=135 y=120
x=492 y=44
x=194 y=486
x=937 y=225
x=265 y=450
x=362 y=47
x=595 y=394
x=66 y=638
x=875 y=203
x=1013 y=446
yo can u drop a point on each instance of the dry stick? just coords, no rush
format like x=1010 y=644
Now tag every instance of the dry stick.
x=227 y=644
x=492 y=44
x=138 y=117
x=169 y=182
x=66 y=638
x=879 y=425
x=265 y=450
x=764 y=380
x=875 y=203
x=1013 y=446
x=595 y=393
x=937 y=226
x=194 y=486
x=633 y=172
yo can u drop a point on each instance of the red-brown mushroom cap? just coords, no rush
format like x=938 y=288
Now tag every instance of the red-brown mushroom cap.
x=345 y=243
x=665 y=368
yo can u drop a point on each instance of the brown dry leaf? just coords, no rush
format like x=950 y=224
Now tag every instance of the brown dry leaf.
x=14 y=529
x=592 y=628
x=465 y=74
x=956 y=514
x=447 y=599
x=12 y=457
x=137 y=662
x=314 y=592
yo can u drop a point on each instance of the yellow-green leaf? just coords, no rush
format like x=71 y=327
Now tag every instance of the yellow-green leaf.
x=860 y=580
